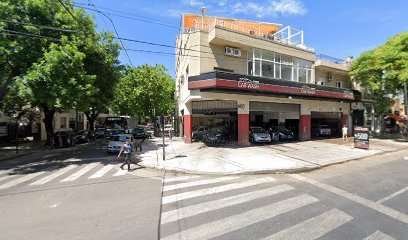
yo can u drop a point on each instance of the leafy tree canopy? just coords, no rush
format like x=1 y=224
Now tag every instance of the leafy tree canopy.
x=145 y=91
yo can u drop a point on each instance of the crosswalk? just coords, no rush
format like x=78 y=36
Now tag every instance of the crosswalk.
x=66 y=174
x=193 y=208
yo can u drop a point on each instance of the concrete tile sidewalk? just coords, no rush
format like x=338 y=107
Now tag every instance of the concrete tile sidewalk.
x=279 y=158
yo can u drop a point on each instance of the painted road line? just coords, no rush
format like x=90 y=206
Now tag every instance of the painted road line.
x=242 y=220
x=213 y=190
x=378 y=236
x=19 y=180
x=2 y=178
x=193 y=210
x=392 y=213
x=197 y=183
x=102 y=171
x=80 y=172
x=54 y=175
x=120 y=172
x=393 y=195
x=179 y=178
x=315 y=227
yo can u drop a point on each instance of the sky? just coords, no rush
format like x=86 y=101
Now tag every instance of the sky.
x=336 y=28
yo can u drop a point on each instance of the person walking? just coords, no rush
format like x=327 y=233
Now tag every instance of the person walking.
x=344 y=131
x=126 y=149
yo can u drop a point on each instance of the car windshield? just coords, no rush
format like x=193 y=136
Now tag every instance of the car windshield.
x=258 y=130
x=138 y=130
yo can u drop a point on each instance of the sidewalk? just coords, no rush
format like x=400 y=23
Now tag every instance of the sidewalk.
x=279 y=158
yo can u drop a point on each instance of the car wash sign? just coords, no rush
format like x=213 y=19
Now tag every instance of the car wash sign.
x=361 y=137
x=248 y=83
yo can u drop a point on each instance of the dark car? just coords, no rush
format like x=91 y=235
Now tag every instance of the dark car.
x=199 y=134
x=281 y=134
x=214 y=136
x=81 y=137
x=139 y=133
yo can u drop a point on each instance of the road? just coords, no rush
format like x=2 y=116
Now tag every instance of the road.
x=365 y=199
x=83 y=195
x=78 y=194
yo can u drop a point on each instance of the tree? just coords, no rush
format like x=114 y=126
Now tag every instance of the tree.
x=145 y=91
x=28 y=28
x=102 y=62
x=56 y=82
x=383 y=71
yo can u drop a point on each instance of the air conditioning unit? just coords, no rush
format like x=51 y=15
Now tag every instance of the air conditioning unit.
x=234 y=52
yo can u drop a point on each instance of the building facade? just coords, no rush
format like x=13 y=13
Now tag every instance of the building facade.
x=236 y=74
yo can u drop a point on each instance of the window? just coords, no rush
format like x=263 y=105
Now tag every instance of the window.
x=267 y=69
x=274 y=65
x=338 y=84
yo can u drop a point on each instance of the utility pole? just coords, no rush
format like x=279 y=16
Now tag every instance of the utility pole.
x=164 y=146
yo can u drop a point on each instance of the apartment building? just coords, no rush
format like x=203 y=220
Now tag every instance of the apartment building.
x=236 y=74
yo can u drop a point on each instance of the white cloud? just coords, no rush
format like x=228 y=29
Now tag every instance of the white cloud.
x=194 y=3
x=272 y=8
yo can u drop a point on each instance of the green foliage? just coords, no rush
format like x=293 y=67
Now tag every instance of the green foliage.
x=383 y=71
x=145 y=91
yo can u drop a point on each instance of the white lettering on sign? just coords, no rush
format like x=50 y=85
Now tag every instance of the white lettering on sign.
x=307 y=90
x=248 y=83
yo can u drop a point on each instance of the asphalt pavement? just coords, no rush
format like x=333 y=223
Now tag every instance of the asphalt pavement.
x=78 y=194
x=83 y=194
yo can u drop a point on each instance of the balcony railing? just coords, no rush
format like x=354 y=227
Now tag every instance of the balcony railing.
x=286 y=35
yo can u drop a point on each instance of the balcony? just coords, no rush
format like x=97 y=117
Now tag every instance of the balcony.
x=325 y=61
x=244 y=83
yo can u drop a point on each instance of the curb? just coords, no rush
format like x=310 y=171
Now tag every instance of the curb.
x=266 y=171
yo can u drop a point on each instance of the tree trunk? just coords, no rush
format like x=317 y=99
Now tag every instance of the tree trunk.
x=48 y=122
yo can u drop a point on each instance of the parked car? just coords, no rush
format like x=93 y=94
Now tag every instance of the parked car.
x=81 y=137
x=64 y=138
x=99 y=132
x=139 y=133
x=214 y=136
x=199 y=134
x=116 y=142
x=259 y=135
x=323 y=131
x=281 y=134
x=168 y=129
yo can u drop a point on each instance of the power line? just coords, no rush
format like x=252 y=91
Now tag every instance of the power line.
x=67 y=9
x=18 y=33
x=128 y=15
x=114 y=28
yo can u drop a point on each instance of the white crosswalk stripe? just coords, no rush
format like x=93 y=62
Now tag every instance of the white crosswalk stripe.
x=197 y=183
x=102 y=171
x=378 y=236
x=180 y=178
x=2 y=178
x=236 y=222
x=315 y=227
x=80 y=172
x=120 y=172
x=189 y=211
x=54 y=175
x=214 y=190
x=19 y=180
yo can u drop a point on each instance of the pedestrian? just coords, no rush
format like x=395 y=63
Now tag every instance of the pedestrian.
x=344 y=131
x=126 y=149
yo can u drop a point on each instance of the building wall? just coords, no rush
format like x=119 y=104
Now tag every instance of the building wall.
x=321 y=75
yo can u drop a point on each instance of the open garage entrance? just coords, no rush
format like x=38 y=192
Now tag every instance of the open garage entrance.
x=275 y=116
x=325 y=124
x=215 y=117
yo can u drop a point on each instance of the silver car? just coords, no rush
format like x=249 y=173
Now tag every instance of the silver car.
x=259 y=135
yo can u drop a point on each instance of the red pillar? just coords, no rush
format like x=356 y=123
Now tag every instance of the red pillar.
x=188 y=128
x=304 y=127
x=243 y=129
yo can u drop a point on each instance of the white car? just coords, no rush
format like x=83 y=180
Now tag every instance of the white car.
x=116 y=142
x=259 y=135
